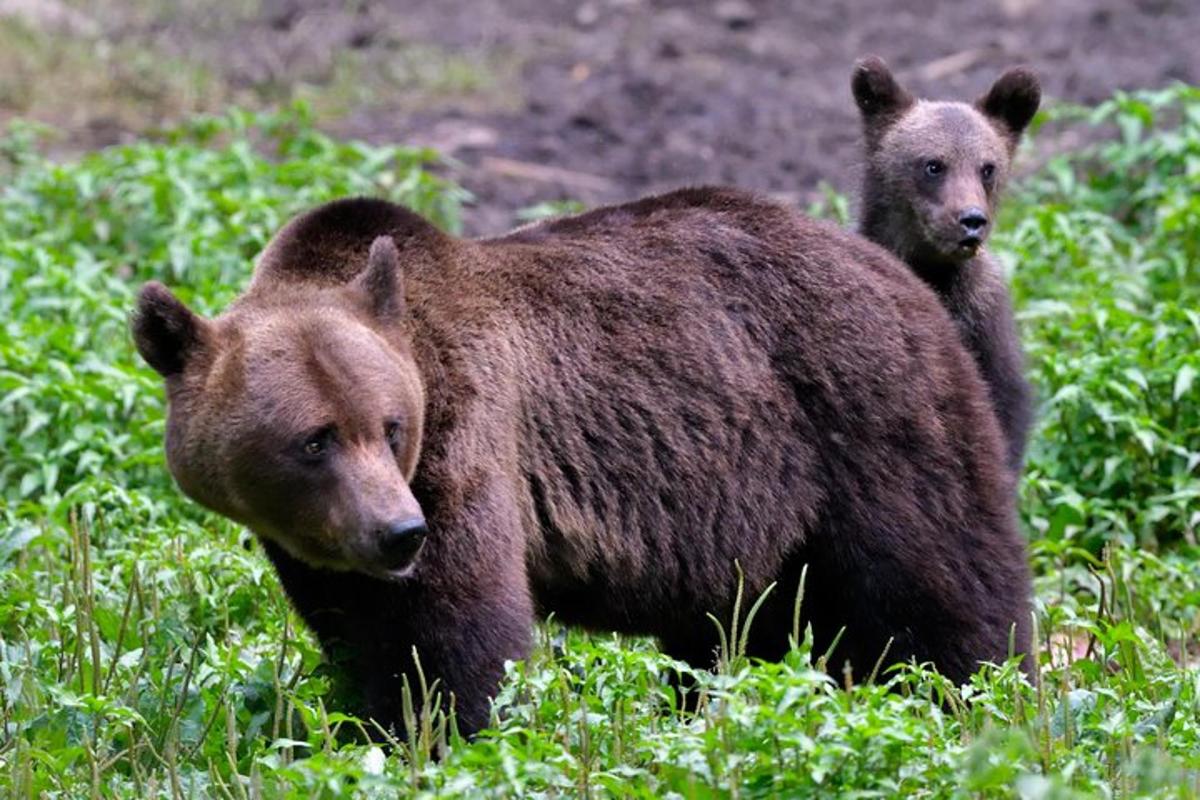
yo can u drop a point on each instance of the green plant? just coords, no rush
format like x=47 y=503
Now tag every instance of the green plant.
x=146 y=649
x=1106 y=265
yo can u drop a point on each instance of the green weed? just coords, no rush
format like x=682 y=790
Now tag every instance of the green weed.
x=146 y=649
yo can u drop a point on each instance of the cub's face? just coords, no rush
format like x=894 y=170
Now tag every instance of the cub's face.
x=300 y=420
x=942 y=166
x=935 y=169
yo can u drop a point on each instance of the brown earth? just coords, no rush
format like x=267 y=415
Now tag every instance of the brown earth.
x=594 y=100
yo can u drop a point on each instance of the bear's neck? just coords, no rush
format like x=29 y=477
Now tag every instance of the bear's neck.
x=950 y=279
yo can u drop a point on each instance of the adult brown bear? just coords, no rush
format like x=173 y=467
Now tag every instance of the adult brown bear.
x=602 y=416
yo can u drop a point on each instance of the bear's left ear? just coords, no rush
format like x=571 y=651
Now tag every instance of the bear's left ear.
x=880 y=99
x=1013 y=100
x=382 y=281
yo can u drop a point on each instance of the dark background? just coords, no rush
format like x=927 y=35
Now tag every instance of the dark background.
x=594 y=100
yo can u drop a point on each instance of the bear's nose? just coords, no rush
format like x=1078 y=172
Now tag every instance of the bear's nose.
x=973 y=221
x=399 y=541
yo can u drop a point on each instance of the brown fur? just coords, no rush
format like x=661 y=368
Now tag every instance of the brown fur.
x=920 y=216
x=602 y=416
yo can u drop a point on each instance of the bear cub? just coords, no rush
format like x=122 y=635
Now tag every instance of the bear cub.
x=934 y=171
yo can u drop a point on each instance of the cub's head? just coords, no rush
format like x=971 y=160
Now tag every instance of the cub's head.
x=298 y=412
x=935 y=169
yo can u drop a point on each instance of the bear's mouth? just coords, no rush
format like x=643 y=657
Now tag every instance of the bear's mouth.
x=970 y=244
x=394 y=568
x=392 y=575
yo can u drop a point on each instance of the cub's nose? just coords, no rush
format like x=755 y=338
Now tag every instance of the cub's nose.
x=973 y=221
x=399 y=541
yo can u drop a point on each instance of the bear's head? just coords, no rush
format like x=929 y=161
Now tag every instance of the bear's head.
x=299 y=411
x=935 y=169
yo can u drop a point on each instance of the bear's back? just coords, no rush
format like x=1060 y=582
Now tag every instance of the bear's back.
x=727 y=236
x=726 y=277
x=758 y=376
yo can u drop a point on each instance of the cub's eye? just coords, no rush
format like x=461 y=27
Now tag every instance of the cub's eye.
x=988 y=171
x=314 y=447
x=391 y=430
x=934 y=168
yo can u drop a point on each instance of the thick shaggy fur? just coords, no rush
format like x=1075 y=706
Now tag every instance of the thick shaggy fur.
x=603 y=416
x=917 y=215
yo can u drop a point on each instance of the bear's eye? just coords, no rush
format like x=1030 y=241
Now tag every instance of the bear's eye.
x=391 y=430
x=316 y=444
x=988 y=172
x=934 y=168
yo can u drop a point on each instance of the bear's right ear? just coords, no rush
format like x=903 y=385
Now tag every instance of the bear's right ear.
x=879 y=97
x=382 y=281
x=167 y=333
x=1013 y=100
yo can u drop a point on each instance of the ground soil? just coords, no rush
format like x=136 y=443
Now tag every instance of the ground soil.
x=600 y=100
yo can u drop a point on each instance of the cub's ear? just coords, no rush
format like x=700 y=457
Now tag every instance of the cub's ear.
x=167 y=332
x=382 y=281
x=879 y=97
x=1013 y=100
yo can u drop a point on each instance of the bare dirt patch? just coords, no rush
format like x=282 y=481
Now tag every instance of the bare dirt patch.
x=596 y=100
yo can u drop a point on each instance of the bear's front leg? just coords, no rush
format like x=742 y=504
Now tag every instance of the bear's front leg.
x=465 y=610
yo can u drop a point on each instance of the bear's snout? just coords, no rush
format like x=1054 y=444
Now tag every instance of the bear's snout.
x=398 y=541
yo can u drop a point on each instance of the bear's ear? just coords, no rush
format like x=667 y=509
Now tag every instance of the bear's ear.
x=881 y=100
x=1013 y=100
x=167 y=333
x=382 y=281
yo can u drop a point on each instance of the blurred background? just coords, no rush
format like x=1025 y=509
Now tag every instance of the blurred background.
x=593 y=100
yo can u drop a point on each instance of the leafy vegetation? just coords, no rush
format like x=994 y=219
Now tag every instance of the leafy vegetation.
x=146 y=649
x=1107 y=260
